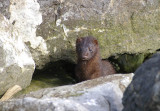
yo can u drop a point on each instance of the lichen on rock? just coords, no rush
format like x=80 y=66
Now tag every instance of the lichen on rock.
x=120 y=26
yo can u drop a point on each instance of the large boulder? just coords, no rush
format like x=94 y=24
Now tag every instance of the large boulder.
x=121 y=26
x=16 y=63
x=25 y=16
x=143 y=93
x=102 y=94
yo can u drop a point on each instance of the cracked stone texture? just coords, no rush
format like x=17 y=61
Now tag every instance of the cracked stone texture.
x=16 y=63
x=102 y=94
x=143 y=93
x=121 y=26
x=25 y=16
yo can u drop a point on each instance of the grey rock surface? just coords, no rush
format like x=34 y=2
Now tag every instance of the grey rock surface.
x=143 y=93
x=124 y=26
x=16 y=63
x=102 y=94
x=121 y=26
x=25 y=16
x=4 y=8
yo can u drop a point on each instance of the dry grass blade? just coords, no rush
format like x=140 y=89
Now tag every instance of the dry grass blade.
x=10 y=92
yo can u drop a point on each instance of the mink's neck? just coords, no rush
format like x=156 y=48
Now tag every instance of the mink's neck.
x=87 y=68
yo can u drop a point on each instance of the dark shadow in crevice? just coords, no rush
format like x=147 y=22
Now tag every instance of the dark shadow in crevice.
x=54 y=74
x=62 y=70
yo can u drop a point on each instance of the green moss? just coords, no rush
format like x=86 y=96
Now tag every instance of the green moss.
x=73 y=94
x=52 y=75
x=128 y=63
x=45 y=82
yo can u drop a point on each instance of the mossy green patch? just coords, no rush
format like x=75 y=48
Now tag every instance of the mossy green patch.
x=52 y=75
x=128 y=63
x=68 y=94
x=74 y=95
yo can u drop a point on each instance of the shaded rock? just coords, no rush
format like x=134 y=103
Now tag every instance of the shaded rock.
x=102 y=94
x=143 y=92
x=4 y=8
x=16 y=63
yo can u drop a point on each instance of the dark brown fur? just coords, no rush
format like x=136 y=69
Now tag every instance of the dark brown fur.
x=89 y=63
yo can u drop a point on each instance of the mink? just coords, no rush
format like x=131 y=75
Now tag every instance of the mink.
x=89 y=62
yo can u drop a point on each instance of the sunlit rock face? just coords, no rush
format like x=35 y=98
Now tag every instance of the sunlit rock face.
x=16 y=63
x=25 y=16
x=101 y=94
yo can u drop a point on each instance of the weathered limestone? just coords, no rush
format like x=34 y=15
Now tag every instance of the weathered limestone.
x=124 y=26
x=16 y=63
x=25 y=16
x=102 y=94
x=121 y=26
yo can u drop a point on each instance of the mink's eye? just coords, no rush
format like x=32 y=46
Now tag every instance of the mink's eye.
x=90 y=49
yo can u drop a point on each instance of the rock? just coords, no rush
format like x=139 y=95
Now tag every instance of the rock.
x=143 y=93
x=25 y=16
x=16 y=63
x=4 y=8
x=124 y=26
x=102 y=94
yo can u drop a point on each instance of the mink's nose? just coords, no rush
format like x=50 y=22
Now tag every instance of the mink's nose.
x=85 y=56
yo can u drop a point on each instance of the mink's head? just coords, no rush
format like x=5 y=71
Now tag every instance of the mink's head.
x=86 y=47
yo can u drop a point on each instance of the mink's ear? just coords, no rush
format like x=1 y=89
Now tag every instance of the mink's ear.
x=96 y=42
x=79 y=39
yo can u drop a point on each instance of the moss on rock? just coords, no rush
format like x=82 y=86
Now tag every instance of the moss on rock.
x=126 y=26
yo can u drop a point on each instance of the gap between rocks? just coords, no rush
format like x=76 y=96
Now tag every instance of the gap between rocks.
x=62 y=72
